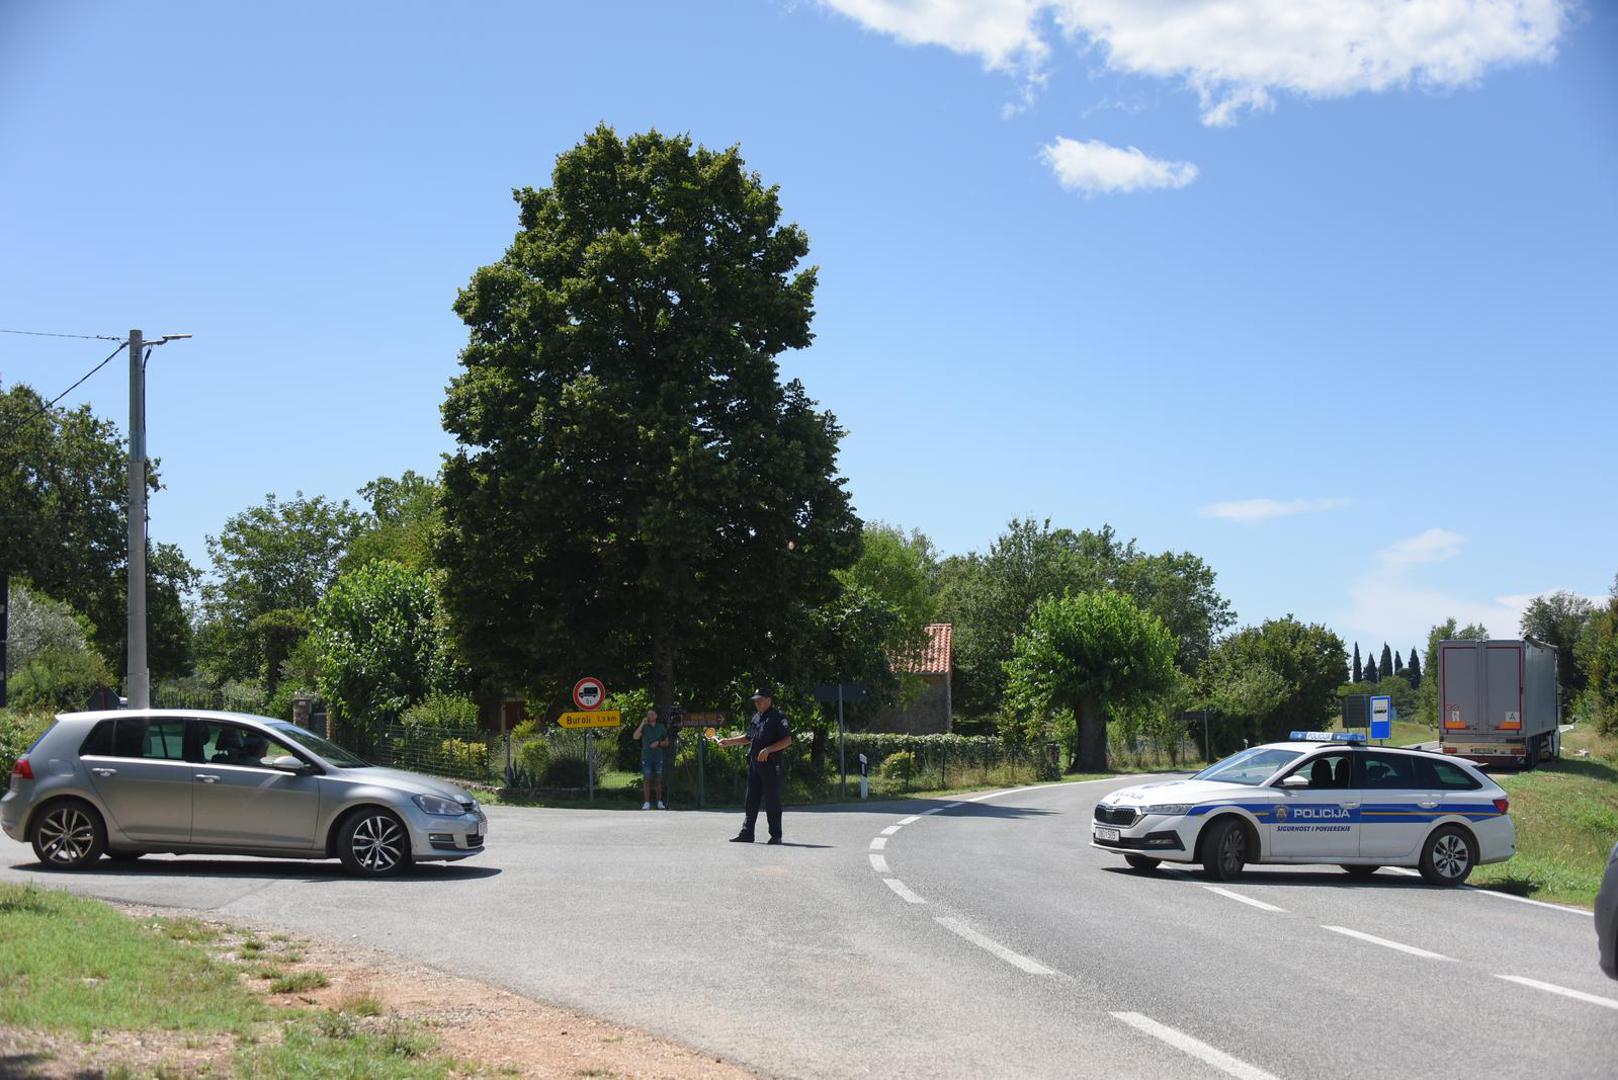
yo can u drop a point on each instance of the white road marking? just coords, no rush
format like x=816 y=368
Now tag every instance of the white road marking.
x=911 y=820
x=1195 y=1047
x=955 y=805
x=934 y=810
x=878 y=843
x=1577 y=995
x=1536 y=903
x=890 y=830
x=1015 y=959
x=1385 y=943
x=1238 y=897
x=879 y=863
x=904 y=894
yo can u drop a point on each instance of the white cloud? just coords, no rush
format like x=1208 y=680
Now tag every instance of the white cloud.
x=1238 y=54
x=1250 y=510
x=1096 y=168
x=1434 y=545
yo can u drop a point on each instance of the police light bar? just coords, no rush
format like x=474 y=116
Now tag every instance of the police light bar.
x=1327 y=736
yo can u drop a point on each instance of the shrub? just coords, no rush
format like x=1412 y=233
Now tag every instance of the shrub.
x=532 y=757
x=900 y=766
x=59 y=679
x=464 y=758
x=565 y=772
x=442 y=712
x=18 y=730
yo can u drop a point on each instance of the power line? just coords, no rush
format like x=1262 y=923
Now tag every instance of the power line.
x=43 y=409
x=44 y=333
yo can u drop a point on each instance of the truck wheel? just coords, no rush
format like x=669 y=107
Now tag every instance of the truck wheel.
x=373 y=843
x=1144 y=863
x=1533 y=755
x=1448 y=856
x=1225 y=850
x=68 y=835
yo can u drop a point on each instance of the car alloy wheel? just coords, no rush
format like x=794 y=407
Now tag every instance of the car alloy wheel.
x=378 y=844
x=1451 y=856
x=66 y=836
x=1233 y=851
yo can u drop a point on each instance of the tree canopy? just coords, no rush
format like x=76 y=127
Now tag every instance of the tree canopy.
x=1558 y=619
x=1308 y=660
x=635 y=491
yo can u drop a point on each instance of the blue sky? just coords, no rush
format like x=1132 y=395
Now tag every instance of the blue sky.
x=1344 y=325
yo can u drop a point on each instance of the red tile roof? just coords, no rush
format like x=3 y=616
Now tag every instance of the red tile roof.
x=934 y=656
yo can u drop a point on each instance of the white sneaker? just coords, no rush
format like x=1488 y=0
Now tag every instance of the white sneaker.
x=645 y=806
x=660 y=805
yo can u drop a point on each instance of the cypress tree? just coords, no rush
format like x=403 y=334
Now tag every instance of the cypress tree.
x=1398 y=664
x=1385 y=667
x=1413 y=669
x=1371 y=675
x=1359 y=671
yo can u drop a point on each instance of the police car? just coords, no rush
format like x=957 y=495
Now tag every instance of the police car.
x=1321 y=797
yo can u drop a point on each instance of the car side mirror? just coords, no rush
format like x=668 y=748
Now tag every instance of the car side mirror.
x=1295 y=780
x=292 y=764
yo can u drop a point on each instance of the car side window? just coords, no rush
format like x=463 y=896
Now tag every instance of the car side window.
x=99 y=741
x=1326 y=771
x=228 y=744
x=1444 y=776
x=138 y=737
x=1385 y=771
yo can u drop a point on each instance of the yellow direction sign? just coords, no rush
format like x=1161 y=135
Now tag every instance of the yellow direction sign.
x=594 y=718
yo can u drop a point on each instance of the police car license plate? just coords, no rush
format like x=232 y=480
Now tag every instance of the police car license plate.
x=1106 y=834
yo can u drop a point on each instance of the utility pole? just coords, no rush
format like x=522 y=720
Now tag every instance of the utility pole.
x=139 y=687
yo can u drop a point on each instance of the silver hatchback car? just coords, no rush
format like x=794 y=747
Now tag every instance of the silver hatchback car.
x=131 y=782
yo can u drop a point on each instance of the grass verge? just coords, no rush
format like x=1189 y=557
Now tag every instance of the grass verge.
x=1567 y=820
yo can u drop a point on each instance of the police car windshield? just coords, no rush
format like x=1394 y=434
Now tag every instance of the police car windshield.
x=1251 y=767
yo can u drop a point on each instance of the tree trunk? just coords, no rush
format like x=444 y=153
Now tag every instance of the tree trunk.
x=662 y=665
x=1092 y=736
x=817 y=751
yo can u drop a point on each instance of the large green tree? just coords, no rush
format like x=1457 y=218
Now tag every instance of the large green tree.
x=1309 y=661
x=990 y=597
x=399 y=524
x=1597 y=657
x=1558 y=619
x=1088 y=652
x=63 y=526
x=636 y=493
x=272 y=563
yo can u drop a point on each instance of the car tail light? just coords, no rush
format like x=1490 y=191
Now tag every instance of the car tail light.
x=23 y=769
x=1502 y=805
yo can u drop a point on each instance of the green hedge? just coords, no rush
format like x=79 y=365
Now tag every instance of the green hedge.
x=18 y=730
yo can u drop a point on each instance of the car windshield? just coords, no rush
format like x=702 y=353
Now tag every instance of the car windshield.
x=1251 y=767
x=327 y=749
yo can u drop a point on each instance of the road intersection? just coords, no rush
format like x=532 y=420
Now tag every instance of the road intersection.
x=970 y=937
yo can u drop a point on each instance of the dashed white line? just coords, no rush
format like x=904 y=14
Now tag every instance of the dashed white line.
x=1536 y=903
x=1248 y=900
x=890 y=830
x=1015 y=959
x=903 y=892
x=879 y=863
x=878 y=843
x=1195 y=1047
x=1385 y=943
x=1552 y=988
x=911 y=820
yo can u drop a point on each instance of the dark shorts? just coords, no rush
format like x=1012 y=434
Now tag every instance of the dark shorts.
x=652 y=767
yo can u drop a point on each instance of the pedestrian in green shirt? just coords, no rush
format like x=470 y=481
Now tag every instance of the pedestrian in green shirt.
x=654 y=738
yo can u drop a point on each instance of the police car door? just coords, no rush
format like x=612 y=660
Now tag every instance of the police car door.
x=1397 y=808
x=1319 y=818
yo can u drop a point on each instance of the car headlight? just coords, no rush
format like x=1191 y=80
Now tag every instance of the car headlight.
x=1168 y=810
x=438 y=807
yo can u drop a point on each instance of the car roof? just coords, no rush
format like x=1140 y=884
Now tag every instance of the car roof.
x=169 y=714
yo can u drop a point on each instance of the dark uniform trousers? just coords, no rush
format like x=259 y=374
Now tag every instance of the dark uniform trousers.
x=763 y=785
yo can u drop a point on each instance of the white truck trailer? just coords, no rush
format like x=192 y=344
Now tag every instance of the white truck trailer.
x=1498 y=701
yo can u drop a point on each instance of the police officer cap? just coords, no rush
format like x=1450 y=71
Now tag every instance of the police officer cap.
x=763 y=691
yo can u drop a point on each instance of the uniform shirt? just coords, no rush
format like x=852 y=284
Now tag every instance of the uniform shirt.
x=652 y=733
x=766 y=729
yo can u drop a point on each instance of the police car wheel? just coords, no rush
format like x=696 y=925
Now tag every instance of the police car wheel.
x=1448 y=857
x=1144 y=863
x=1361 y=871
x=1225 y=851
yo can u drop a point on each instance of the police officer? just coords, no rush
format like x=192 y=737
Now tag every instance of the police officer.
x=767 y=735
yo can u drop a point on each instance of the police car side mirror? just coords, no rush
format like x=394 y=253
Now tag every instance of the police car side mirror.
x=1295 y=780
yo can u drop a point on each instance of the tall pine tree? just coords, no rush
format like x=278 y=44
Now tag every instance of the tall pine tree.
x=1385 y=667
x=1413 y=669
x=1359 y=671
x=1398 y=664
x=1371 y=674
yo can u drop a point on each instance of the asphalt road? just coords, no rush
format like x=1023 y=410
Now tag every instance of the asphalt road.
x=979 y=938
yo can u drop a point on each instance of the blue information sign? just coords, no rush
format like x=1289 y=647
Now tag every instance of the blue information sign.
x=1381 y=717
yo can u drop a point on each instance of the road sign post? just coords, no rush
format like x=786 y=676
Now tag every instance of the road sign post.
x=700 y=720
x=853 y=693
x=1382 y=717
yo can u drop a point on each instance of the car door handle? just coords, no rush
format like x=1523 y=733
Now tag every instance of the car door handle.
x=208 y=778
x=105 y=772
x=1427 y=804
x=1355 y=805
